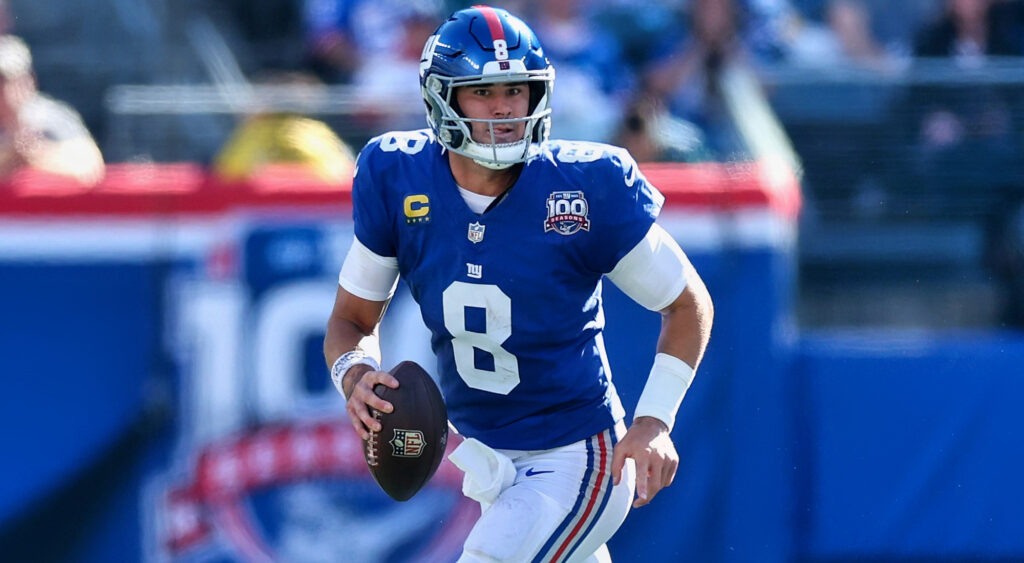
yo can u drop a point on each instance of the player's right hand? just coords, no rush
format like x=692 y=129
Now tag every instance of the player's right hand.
x=362 y=398
x=648 y=442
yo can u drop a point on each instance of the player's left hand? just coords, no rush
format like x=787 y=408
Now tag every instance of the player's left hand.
x=647 y=441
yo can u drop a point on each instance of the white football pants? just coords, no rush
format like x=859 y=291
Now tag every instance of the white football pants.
x=561 y=507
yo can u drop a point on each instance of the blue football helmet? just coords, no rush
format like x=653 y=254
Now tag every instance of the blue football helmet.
x=484 y=45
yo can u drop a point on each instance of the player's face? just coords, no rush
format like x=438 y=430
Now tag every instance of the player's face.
x=495 y=101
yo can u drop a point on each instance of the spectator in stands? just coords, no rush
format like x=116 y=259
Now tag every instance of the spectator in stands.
x=342 y=34
x=276 y=137
x=960 y=128
x=651 y=134
x=970 y=30
x=594 y=81
x=330 y=38
x=37 y=131
x=643 y=28
x=690 y=78
x=766 y=26
x=386 y=86
x=845 y=37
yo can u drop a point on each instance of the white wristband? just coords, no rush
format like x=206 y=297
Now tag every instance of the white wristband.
x=346 y=361
x=666 y=386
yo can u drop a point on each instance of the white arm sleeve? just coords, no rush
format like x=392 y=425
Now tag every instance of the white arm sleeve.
x=367 y=274
x=654 y=273
x=665 y=388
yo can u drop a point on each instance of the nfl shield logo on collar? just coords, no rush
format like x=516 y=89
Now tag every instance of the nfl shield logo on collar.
x=476 y=232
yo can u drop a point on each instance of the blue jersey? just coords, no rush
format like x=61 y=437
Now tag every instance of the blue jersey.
x=512 y=296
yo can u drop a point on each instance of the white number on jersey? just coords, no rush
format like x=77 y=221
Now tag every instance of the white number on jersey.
x=580 y=152
x=498 y=314
x=409 y=142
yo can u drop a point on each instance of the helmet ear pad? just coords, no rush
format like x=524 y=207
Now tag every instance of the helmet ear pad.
x=452 y=136
x=457 y=136
x=537 y=92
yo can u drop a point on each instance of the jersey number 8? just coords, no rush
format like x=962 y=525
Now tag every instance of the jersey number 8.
x=498 y=314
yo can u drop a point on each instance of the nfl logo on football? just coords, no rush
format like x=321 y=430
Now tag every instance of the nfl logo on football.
x=407 y=443
x=567 y=213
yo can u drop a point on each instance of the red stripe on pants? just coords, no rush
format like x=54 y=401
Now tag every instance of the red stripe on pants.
x=590 y=504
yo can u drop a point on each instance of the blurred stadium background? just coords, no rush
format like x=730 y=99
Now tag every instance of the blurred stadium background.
x=847 y=174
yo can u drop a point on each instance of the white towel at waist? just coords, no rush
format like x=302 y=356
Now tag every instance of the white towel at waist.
x=488 y=472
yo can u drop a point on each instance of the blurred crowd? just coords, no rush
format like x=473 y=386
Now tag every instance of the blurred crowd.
x=657 y=76
x=651 y=74
x=37 y=131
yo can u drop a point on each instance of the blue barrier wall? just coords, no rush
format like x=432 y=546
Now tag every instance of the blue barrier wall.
x=78 y=341
x=733 y=428
x=911 y=445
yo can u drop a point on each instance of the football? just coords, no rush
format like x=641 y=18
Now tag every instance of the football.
x=407 y=450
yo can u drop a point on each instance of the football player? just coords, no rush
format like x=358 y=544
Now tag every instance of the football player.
x=504 y=238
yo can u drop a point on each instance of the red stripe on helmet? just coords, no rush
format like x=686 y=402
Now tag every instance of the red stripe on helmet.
x=493 y=22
